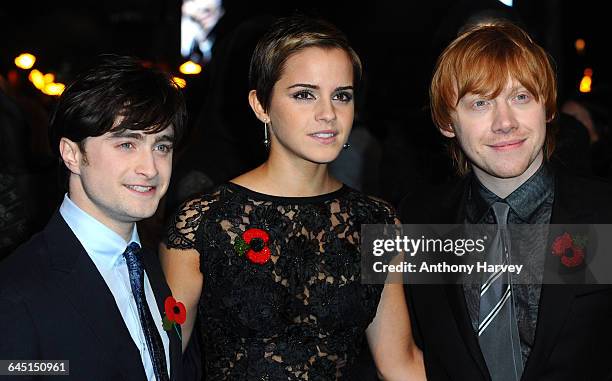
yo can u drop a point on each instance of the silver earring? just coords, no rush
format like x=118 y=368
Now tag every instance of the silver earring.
x=346 y=146
x=266 y=141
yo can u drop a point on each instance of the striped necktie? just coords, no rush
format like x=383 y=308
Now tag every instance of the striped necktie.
x=498 y=327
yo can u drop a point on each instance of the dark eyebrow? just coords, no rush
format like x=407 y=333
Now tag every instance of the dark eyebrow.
x=315 y=87
x=342 y=88
x=140 y=136
x=165 y=138
x=127 y=134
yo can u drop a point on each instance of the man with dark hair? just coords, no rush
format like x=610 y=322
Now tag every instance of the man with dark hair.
x=82 y=290
x=494 y=93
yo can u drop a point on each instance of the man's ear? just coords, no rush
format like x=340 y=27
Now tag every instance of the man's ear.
x=447 y=131
x=71 y=155
x=257 y=107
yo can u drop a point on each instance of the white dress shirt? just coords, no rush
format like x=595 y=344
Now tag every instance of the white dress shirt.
x=105 y=248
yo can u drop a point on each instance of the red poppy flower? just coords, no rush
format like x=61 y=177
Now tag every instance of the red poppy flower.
x=259 y=257
x=570 y=250
x=252 y=233
x=255 y=243
x=175 y=311
x=561 y=244
x=576 y=259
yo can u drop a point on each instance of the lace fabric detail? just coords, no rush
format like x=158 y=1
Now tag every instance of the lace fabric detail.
x=300 y=316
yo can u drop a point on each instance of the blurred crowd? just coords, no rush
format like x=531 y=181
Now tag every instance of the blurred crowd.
x=394 y=145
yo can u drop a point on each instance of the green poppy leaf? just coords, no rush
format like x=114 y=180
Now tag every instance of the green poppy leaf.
x=240 y=246
x=167 y=324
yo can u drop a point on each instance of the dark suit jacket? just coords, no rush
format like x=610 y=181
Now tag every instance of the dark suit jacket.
x=55 y=305
x=573 y=339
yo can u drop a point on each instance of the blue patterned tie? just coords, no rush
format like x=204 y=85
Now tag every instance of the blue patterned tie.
x=133 y=257
x=498 y=327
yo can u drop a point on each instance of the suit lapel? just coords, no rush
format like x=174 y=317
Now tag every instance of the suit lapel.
x=555 y=299
x=456 y=299
x=161 y=291
x=455 y=212
x=78 y=277
x=555 y=302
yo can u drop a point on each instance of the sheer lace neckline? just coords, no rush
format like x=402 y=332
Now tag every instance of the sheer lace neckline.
x=280 y=313
x=296 y=200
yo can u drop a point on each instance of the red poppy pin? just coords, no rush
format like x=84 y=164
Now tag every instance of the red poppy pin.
x=175 y=314
x=254 y=242
x=570 y=249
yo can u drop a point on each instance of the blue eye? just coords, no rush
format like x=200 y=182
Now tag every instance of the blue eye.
x=165 y=148
x=522 y=98
x=480 y=104
x=126 y=146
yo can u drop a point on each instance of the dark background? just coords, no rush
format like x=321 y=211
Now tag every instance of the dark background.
x=396 y=39
x=395 y=147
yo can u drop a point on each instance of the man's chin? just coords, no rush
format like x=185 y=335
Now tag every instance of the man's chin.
x=524 y=169
x=509 y=174
x=138 y=214
x=506 y=172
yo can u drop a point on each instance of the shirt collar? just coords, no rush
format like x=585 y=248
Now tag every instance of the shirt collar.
x=97 y=239
x=524 y=200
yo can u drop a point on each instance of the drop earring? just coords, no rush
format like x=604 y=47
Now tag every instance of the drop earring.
x=266 y=141
x=346 y=146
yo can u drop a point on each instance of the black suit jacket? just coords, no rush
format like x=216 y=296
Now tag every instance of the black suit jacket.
x=573 y=339
x=55 y=305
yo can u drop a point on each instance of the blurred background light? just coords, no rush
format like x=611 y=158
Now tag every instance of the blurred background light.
x=585 y=84
x=54 y=88
x=49 y=78
x=37 y=79
x=580 y=44
x=25 y=61
x=180 y=82
x=190 y=68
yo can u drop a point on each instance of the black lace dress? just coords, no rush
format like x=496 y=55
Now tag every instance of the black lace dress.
x=282 y=298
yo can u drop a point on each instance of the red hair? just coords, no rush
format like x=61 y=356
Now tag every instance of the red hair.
x=481 y=60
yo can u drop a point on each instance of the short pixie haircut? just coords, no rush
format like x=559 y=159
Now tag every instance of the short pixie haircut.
x=480 y=61
x=145 y=98
x=286 y=37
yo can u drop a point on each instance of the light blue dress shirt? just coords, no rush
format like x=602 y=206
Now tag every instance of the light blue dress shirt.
x=105 y=248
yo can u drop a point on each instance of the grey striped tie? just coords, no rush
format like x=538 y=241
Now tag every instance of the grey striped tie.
x=498 y=328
